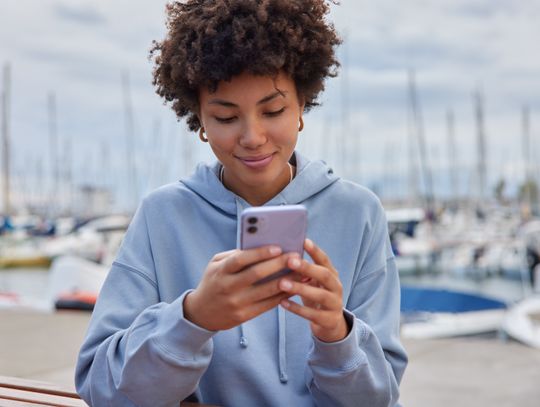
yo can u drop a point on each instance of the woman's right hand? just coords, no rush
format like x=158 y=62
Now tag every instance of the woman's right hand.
x=228 y=294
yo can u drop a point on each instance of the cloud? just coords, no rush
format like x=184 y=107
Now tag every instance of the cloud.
x=85 y=13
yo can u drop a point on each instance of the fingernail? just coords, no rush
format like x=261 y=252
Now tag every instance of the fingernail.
x=286 y=285
x=275 y=250
x=294 y=263
x=285 y=303
x=305 y=279
x=309 y=244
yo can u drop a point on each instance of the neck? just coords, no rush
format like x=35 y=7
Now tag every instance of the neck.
x=259 y=193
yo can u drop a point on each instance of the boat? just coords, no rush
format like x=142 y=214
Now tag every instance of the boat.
x=440 y=313
x=97 y=240
x=522 y=321
x=76 y=300
x=30 y=261
x=74 y=282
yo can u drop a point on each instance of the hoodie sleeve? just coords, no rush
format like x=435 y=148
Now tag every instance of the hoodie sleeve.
x=365 y=368
x=139 y=351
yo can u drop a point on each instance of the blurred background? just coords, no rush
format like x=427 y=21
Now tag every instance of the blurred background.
x=436 y=109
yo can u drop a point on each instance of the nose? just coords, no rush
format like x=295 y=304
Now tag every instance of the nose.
x=253 y=134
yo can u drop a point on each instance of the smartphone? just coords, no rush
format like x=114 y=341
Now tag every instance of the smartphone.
x=283 y=226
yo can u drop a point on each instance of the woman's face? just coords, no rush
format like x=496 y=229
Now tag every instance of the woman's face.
x=251 y=123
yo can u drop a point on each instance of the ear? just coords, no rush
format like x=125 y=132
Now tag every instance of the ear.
x=199 y=117
x=301 y=106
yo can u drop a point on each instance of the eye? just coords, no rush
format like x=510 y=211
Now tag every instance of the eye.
x=225 y=119
x=275 y=112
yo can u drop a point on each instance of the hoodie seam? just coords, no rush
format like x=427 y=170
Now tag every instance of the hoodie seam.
x=136 y=271
x=378 y=270
x=344 y=368
x=179 y=358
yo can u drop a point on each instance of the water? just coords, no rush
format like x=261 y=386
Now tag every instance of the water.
x=29 y=284
x=502 y=288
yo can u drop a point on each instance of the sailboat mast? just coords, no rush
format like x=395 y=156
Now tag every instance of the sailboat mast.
x=68 y=174
x=343 y=141
x=420 y=136
x=5 y=138
x=452 y=168
x=481 y=145
x=525 y=129
x=130 y=140
x=412 y=172
x=53 y=145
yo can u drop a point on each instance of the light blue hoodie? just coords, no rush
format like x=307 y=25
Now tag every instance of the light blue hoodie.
x=140 y=350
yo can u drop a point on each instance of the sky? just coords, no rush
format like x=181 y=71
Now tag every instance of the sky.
x=81 y=53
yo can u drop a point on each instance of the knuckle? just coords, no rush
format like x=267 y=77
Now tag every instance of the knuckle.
x=238 y=315
x=327 y=277
x=212 y=271
x=224 y=290
x=257 y=272
x=234 y=261
x=233 y=303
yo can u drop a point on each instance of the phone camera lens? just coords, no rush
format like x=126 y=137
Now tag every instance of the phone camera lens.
x=252 y=220
x=252 y=229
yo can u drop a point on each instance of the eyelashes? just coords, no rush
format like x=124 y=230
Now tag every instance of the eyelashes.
x=233 y=118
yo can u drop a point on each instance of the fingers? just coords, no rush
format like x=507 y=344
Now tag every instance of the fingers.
x=328 y=326
x=317 y=254
x=240 y=259
x=222 y=255
x=258 y=271
x=259 y=292
x=322 y=297
x=317 y=316
x=325 y=276
x=264 y=305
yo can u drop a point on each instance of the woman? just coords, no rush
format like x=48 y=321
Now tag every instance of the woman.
x=179 y=315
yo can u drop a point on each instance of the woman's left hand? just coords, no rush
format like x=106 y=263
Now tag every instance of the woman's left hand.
x=321 y=293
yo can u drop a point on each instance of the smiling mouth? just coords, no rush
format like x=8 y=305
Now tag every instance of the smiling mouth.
x=257 y=162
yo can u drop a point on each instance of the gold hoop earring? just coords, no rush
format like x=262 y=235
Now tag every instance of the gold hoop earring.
x=201 y=135
x=301 y=127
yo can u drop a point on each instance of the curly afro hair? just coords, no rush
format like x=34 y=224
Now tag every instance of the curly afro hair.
x=209 y=41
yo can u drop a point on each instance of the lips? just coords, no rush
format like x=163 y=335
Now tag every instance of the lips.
x=257 y=162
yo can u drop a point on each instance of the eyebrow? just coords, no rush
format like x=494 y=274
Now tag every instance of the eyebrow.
x=265 y=99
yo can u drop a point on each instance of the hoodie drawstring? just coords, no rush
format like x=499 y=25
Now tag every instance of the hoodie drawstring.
x=282 y=350
x=243 y=339
x=282 y=344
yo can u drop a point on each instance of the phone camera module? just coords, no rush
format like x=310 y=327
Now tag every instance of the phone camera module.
x=252 y=220
x=252 y=229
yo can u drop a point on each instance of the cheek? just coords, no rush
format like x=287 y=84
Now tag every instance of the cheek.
x=286 y=132
x=222 y=138
x=221 y=144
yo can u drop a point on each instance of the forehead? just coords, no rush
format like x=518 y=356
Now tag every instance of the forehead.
x=249 y=88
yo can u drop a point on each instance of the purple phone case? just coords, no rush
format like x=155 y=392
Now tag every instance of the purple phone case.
x=283 y=226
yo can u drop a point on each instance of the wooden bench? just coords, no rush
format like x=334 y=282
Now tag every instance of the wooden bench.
x=23 y=392
x=17 y=392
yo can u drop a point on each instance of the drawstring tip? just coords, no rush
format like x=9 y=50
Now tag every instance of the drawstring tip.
x=283 y=378
x=243 y=342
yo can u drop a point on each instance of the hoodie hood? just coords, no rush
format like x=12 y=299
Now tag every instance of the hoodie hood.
x=311 y=178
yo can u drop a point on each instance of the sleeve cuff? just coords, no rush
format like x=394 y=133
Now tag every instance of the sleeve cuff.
x=183 y=338
x=344 y=354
